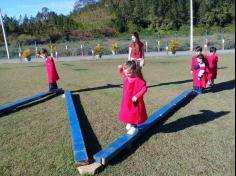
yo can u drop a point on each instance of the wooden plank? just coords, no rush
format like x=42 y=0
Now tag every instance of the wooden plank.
x=78 y=145
x=90 y=169
x=123 y=141
x=14 y=104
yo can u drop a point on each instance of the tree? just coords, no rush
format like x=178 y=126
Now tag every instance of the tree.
x=78 y=5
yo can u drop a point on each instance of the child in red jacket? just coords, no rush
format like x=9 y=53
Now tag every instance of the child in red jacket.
x=199 y=75
x=52 y=74
x=198 y=51
x=132 y=108
x=212 y=64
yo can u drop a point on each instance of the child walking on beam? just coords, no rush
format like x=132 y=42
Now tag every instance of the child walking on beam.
x=132 y=108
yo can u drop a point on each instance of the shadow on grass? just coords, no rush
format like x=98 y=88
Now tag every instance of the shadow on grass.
x=36 y=65
x=186 y=122
x=174 y=82
x=66 y=64
x=108 y=86
x=228 y=85
x=221 y=68
x=28 y=105
x=192 y=120
x=91 y=142
x=80 y=69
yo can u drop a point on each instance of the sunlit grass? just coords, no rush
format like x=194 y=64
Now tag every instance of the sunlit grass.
x=196 y=140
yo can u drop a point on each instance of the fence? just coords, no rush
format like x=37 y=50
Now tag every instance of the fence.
x=78 y=48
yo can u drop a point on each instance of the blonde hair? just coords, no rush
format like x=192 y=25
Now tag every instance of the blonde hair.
x=132 y=65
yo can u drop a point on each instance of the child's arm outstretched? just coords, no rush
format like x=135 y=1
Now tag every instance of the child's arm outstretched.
x=121 y=70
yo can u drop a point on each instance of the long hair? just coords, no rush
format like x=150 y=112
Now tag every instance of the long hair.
x=44 y=51
x=213 y=49
x=132 y=65
x=135 y=34
x=198 y=49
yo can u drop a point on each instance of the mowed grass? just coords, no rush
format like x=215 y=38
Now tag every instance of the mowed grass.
x=198 y=139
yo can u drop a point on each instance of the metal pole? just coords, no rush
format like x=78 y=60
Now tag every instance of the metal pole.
x=4 y=35
x=158 y=41
x=223 y=40
x=191 y=25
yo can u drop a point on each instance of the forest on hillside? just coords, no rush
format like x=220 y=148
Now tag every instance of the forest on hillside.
x=109 y=18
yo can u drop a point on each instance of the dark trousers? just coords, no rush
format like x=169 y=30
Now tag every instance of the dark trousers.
x=52 y=86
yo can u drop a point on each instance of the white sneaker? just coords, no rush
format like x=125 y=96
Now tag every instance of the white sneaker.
x=128 y=126
x=132 y=130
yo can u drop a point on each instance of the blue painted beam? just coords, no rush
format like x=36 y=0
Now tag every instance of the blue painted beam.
x=156 y=116
x=114 y=148
x=14 y=104
x=78 y=145
x=123 y=141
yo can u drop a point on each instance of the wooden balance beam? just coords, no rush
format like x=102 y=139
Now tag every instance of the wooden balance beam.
x=78 y=145
x=15 y=104
x=125 y=140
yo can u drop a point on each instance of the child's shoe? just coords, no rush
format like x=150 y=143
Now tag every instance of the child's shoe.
x=128 y=126
x=132 y=130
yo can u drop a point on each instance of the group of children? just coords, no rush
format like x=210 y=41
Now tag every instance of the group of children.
x=132 y=108
x=204 y=69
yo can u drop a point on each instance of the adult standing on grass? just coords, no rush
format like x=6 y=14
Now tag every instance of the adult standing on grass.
x=132 y=108
x=52 y=74
x=136 y=50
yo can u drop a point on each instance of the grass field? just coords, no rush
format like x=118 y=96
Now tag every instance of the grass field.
x=198 y=139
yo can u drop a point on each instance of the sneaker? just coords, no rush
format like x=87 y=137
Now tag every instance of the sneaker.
x=132 y=130
x=128 y=126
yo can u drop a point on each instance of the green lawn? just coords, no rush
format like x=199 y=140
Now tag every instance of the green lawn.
x=198 y=139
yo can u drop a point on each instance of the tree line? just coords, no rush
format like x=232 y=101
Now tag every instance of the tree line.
x=92 y=18
x=170 y=14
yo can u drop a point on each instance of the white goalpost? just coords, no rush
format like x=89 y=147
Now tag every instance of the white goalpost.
x=4 y=35
x=191 y=25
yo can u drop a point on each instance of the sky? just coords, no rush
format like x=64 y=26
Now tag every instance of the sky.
x=15 y=8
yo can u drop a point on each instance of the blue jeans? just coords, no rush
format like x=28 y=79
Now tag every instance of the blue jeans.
x=198 y=90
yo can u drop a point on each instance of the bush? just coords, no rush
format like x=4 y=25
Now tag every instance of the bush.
x=184 y=30
x=173 y=45
x=114 y=46
x=199 y=30
x=26 y=53
x=26 y=39
x=98 y=50
x=230 y=28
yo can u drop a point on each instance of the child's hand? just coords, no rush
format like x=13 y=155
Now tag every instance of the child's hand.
x=134 y=99
x=42 y=56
